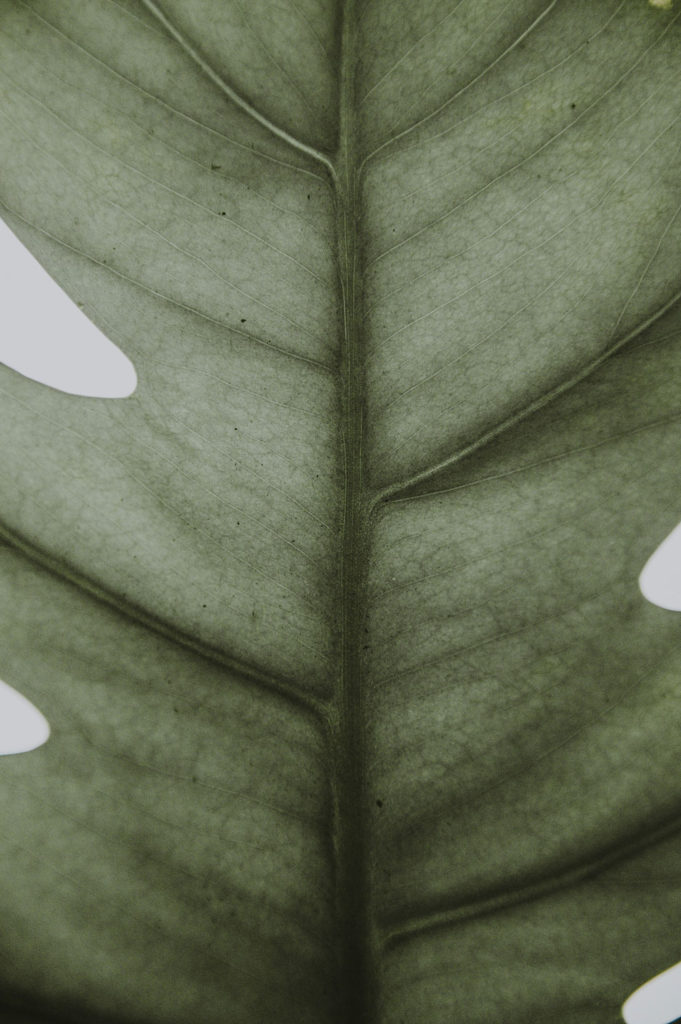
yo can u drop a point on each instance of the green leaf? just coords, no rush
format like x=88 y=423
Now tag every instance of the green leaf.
x=358 y=714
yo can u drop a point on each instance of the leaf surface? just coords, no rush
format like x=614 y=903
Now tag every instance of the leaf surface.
x=357 y=711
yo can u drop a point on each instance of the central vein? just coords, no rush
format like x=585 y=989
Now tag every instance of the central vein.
x=356 y=973
x=355 y=998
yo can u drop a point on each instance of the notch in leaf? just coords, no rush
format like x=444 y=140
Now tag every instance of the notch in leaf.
x=22 y=726
x=46 y=337
x=656 y=1002
x=660 y=580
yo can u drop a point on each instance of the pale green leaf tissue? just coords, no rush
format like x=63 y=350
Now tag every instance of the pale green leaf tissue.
x=358 y=714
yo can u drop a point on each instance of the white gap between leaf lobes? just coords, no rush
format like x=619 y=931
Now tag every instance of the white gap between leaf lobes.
x=46 y=337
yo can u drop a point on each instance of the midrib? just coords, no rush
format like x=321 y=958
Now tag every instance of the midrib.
x=356 y=975
x=356 y=994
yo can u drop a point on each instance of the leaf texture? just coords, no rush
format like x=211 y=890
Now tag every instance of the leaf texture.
x=357 y=712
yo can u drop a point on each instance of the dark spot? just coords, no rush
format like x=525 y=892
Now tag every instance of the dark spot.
x=243 y=319
x=572 y=106
x=308 y=195
x=204 y=605
x=215 y=167
x=222 y=213
x=379 y=803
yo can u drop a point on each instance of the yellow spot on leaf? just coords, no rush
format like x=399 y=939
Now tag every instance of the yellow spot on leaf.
x=664 y=5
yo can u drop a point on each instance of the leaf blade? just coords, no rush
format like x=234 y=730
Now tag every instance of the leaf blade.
x=503 y=688
x=207 y=353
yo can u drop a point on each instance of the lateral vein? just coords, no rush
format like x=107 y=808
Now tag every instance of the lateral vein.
x=505 y=899
x=281 y=687
x=399 y=490
x=233 y=95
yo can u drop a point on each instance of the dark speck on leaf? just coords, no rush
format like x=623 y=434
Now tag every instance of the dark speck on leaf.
x=243 y=320
x=379 y=803
x=215 y=167
x=222 y=213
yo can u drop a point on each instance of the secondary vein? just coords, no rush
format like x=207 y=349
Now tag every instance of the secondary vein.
x=233 y=95
x=281 y=687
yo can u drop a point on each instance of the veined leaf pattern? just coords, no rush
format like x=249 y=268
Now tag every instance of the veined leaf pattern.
x=358 y=714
